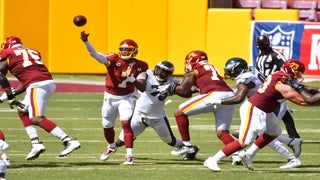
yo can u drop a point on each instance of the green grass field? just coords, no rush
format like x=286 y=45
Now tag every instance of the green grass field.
x=79 y=115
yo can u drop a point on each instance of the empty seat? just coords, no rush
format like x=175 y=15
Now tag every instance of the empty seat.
x=249 y=3
x=302 y=4
x=307 y=8
x=276 y=4
x=318 y=16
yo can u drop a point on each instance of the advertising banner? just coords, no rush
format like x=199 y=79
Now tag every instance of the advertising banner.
x=295 y=40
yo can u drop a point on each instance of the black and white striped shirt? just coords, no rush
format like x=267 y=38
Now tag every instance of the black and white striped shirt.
x=270 y=62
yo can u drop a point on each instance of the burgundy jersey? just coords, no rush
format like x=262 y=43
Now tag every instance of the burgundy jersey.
x=208 y=79
x=267 y=98
x=117 y=82
x=26 y=65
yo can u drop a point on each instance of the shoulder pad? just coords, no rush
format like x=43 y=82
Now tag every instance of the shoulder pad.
x=244 y=78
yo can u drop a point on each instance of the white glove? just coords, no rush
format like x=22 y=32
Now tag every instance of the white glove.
x=4 y=96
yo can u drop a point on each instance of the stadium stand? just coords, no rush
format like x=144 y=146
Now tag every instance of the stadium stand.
x=275 y=4
x=309 y=10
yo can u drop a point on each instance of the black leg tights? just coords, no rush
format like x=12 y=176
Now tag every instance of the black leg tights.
x=290 y=127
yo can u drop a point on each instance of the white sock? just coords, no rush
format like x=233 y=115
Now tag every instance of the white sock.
x=219 y=155
x=32 y=131
x=187 y=143
x=283 y=139
x=279 y=148
x=60 y=134
x=252 y=151
x=129 y=151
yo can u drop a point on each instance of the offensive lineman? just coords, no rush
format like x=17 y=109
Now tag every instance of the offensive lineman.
x=258 y=117
x=248 y=80
x=26 y=65
x=267 y=62
x=204 y=76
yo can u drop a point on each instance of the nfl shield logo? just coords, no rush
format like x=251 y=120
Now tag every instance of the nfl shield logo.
x=281 y=40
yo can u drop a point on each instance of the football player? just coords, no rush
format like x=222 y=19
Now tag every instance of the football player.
x=269 y=61
x=150 y=112
x=124 y=73
x=4 y=146
x=3 y=170
x=258 y=117
x=210 y=84
x=248 y=80
x=26 y=65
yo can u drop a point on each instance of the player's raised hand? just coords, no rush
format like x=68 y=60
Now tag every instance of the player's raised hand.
x=84 y=36
x=130 y=73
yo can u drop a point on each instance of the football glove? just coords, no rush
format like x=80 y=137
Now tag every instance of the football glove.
x=166 y=89
x=295 y=85
x=4 y=97
x=163 y=90
x=14 y=102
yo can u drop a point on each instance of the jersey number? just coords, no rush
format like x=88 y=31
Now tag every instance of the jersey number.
x=214 y=72
x=25 y=53
x=264 y=86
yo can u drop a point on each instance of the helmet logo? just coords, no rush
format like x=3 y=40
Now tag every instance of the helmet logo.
x=294 y=66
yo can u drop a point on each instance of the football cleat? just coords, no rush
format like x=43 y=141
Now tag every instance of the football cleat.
x=70 y=146
x=5 y=158
x=119 y=143
x=37 y=149
x=107 y=153
x=3 y=145
x=292 y=163
x=183 y=150
x=129 y=160
x=212 y=164
x=236 y=160
x=192 y=156
x=295 y=145
x=246 y=159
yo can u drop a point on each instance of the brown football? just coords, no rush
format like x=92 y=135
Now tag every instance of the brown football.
x=80 y=20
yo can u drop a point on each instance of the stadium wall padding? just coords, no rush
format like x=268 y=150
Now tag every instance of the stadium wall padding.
x=164 y=30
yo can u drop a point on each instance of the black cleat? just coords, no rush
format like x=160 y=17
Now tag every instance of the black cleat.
x=192 y=156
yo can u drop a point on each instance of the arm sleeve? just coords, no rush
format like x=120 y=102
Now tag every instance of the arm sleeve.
x=4 y=81
x=96 y=55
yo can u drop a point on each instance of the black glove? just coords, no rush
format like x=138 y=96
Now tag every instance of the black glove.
x=14 y=102
x=166 y=89
x=163 y=90
x=295 y=85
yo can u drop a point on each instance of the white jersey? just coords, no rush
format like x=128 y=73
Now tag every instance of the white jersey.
x=251 y=75
x=148 y=105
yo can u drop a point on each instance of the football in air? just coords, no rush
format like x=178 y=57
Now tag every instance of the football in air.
x=80 y=20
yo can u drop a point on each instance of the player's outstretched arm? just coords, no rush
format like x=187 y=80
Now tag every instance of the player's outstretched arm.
x=290 y=94
x=185 y=88
x=96 y=55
